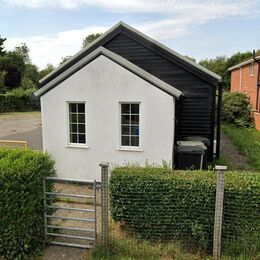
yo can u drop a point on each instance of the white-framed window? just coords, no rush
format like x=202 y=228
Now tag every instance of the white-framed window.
x=77 y=122
x=130 y=124
x=251 y=69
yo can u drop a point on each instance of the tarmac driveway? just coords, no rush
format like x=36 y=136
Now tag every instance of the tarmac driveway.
x=22 y=127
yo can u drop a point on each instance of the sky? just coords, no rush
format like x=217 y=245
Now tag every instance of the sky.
x=53 y=29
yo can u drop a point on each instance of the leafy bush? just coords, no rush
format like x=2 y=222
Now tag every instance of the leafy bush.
x=19 y=100
x=21 y=201
x=236 y=109
x=157 y=204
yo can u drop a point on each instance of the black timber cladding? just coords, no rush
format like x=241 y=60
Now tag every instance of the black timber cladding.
x=195 y=111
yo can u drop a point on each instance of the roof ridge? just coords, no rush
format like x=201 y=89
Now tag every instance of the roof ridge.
x=66 y=64
x=243 y=63
x=119 y=60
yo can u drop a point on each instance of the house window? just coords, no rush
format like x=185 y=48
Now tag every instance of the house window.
x=130 y=131
x=77 y=124
x=251 y=69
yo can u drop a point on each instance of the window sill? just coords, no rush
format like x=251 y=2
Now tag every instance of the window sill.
x=82 y=146
x=130 y=149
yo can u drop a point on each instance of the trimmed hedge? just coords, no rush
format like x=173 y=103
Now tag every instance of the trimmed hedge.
x=19 y=100
x=21 y=201
x=160 y=204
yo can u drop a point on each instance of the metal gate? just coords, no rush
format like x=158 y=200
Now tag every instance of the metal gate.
x=61 y=225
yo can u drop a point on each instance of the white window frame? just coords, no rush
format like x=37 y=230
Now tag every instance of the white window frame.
x=251 y=69
x=124 y=147
x=76 y=145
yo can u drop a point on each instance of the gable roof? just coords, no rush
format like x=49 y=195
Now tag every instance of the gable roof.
x=243 y=63
x=119 y=60
x=121 y=27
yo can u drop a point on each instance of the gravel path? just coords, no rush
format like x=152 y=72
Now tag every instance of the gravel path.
x=67 y=253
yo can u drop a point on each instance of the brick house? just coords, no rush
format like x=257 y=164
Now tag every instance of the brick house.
x=245 y=77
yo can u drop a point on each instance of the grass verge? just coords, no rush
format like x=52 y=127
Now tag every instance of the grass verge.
x=122 y=247
x=247 y=140
x=34 y=113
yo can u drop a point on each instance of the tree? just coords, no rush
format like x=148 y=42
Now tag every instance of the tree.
x=13 y=65
x=64 y=59
x=90 y=38
x=31 y=72
x=49 y=68
x=2 y=81
x=221 y=64
x=23 y=50
x=27 y=83
x=2 y=40
x=217 y=65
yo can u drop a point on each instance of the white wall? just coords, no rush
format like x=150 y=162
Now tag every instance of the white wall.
x=102 y=84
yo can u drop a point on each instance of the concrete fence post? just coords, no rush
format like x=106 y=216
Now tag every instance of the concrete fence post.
x=104 y=203
x=218 y=212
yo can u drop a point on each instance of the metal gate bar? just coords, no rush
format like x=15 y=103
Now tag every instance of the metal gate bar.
x=49 y=195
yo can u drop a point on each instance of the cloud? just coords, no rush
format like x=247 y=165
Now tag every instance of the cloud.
x=222 y=7
x=51 y=48
x=165 y=20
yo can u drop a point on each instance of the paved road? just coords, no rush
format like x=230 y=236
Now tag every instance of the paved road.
x=33 y=137
x=22 y=127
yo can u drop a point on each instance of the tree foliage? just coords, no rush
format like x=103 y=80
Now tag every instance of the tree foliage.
x=236 y=109
x=90 y=38
x=48 y=69
x=220 y=64
x=2 y=40
x=64 y=59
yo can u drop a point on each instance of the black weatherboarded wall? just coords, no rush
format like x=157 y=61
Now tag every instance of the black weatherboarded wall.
x=195 y=110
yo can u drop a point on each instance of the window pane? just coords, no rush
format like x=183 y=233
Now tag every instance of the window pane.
x=73 y=118
x=81 y=128
x=125 y=119
x=73 y=108
x=73 y=128
x=125 y=108
x=134 y=120
x=125 y=140
x=134 y=141
x=77 y=127
x=82 y=138
x=81 y=118
x=125 y=130
x=81 y=108
x=134 y=130
x=73 y=138
x=134 y=108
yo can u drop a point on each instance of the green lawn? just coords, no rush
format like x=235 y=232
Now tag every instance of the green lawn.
x=247 y=141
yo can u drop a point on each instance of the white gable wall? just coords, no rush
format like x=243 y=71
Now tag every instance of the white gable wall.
x=102 y=84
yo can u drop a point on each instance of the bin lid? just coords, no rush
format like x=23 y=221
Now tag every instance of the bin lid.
x=205 y=140
x=191 y=143
x=191 y=149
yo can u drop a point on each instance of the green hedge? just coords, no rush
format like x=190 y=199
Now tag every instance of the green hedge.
x=21 y=201
x=19 y=100
x=236 y=109
x=158 y=204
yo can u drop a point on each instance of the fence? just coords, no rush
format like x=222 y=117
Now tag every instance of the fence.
x=200 y=216
x=70 y=212
x=156 y=215
x=14 y=144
